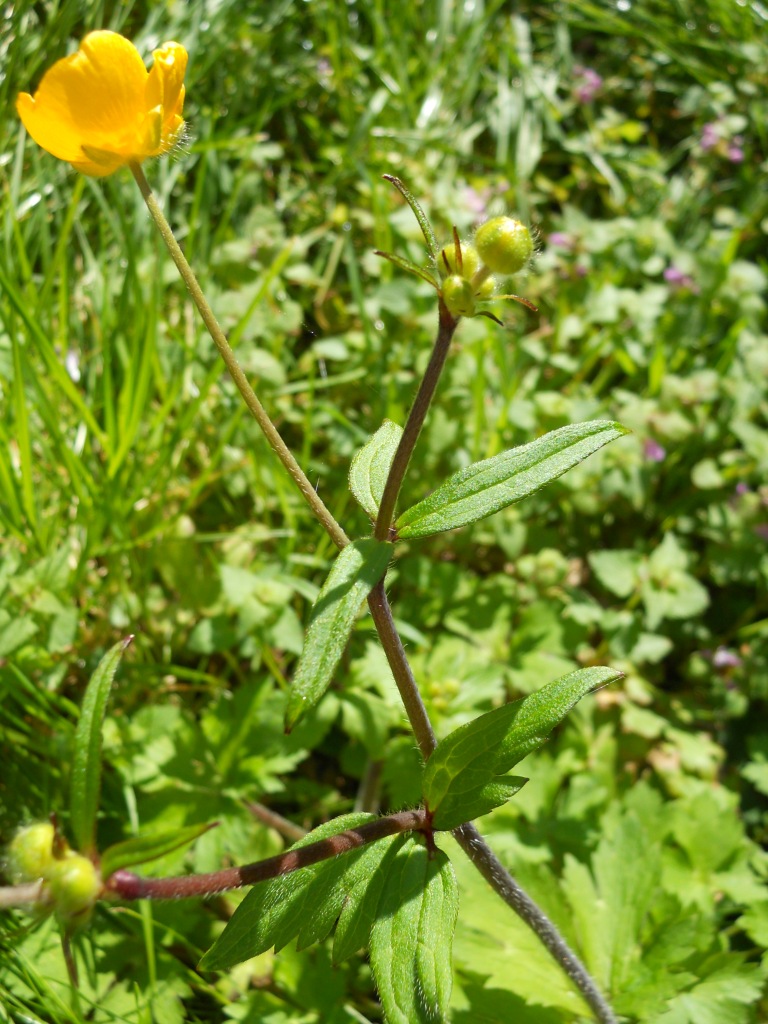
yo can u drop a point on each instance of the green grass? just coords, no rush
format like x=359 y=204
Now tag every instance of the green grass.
x=136 y=496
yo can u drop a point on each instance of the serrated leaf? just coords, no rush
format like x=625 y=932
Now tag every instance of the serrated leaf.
x=461 y=775
x=487 y=487
x=412 y=936
x=266 y=912
x=357 y=569
x=86 y=766
x=370 y=467
x=142 y=849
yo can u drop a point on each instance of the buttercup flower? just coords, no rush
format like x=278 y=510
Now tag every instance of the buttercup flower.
x=100 y=109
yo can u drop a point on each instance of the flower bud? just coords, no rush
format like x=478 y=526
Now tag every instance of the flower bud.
x=504 y=245
x=448 y=261
x=458 y=296
x=74 y=885
x=30 y=854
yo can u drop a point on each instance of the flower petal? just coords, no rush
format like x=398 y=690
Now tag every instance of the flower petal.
x=94 y=97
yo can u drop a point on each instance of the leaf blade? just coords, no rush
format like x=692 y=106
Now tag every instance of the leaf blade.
x=358 y=568
x=487 y=487
x=86 y=765
x=370 y=467
x=411 y=937
x=465 y=767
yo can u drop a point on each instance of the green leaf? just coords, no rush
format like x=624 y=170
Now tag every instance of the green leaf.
x=86 y=767
x=370 y=467
x=412 y=936
x=359 y=911
x=487 y=487
x=275 y=910
x=142 y=849
x=357 y=569
x=461 y=778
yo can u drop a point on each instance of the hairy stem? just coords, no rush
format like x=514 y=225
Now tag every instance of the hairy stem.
x=257 y=410
x=128 y=886
x=447 y=327
x=19 y=895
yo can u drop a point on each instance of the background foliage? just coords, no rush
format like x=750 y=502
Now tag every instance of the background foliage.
x=137 y=497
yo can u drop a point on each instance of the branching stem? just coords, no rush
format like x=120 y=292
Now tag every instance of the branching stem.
x=126 y=885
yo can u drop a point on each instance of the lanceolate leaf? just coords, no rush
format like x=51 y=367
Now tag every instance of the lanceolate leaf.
x=412 y=936
x=86 y=767
x=461 y=778
x=357 y=569
x=274 y=911
x=486 y=487
x=370 y=467
x=142 y=849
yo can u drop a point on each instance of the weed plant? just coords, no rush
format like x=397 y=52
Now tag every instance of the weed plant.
x=137 y=496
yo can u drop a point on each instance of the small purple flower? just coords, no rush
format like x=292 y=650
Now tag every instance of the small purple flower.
x=725 y=658
x=561 y=240
x=678 y=279
x=742 y=488
x=653 y=451
x=587 y=84
x=734 y=152
x=710 y=136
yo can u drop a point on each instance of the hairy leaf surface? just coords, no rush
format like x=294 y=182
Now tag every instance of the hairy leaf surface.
x=461 y=778
x=370 y=467
x=489 y=486
x=357 y=569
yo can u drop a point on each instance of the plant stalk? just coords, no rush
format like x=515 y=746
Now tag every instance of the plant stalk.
x=257 y=410
x=446 y=329
x=128 y=886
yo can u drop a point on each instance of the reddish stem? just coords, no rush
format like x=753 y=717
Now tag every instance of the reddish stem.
x=128 y=886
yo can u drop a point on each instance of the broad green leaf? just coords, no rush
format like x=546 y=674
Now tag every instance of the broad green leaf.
x=487 y=487
x=357 y=569
x=461 y=778
x=370 y=467
x=412 y=936
x=142 y=849
x=86 y=767
x=268 y=912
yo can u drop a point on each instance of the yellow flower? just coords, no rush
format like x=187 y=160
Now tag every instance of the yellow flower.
x=100 y=109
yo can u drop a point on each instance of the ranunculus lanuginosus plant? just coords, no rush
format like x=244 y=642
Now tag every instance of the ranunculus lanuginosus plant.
x=393 y=888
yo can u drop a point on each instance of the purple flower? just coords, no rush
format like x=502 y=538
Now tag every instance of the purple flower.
x=561 y=240
x=678 y=279
x=742 y=488
x=587 y=84
x=653 y=451
x=724 y=658
x=734 y=152
x=710 y=136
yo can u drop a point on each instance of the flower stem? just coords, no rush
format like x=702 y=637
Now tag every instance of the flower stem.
x=19 y=895
x=446 y=328
x=259 y=413
x=128 y=886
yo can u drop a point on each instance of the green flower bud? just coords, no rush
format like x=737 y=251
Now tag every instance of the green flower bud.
x=504 y=245
x=486 y=289
x=30 y=854
x=74 y=885
x=470 y=261
x=458 y=296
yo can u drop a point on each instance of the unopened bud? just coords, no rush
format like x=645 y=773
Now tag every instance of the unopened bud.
x=458 y=296
x=504 y=245
x=30 y=854
x=448 y=262
x=74 y=885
